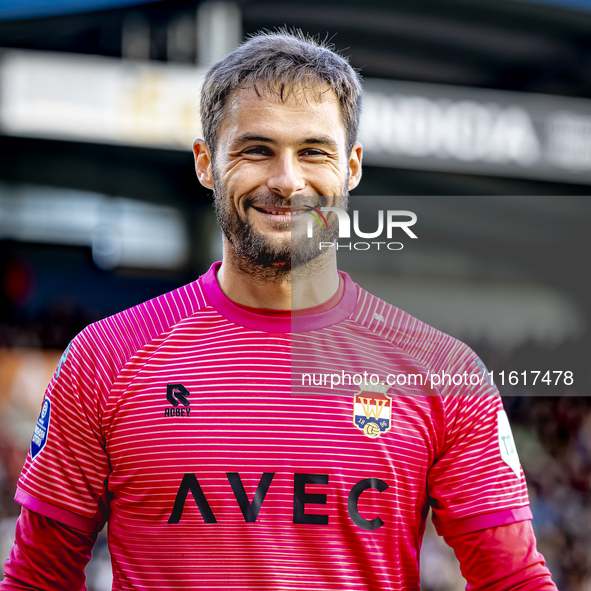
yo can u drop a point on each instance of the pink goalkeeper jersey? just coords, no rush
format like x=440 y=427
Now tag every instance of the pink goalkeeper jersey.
x=213 y=441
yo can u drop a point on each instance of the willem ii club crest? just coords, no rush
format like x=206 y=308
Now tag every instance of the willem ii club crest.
x=373 y=410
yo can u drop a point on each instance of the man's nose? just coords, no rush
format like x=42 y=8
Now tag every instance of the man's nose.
x=286 y=176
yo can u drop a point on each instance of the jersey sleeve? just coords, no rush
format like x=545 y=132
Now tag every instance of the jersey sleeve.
x=476 y=481
x=65 y=473
x=500 y=558
x=46 y=555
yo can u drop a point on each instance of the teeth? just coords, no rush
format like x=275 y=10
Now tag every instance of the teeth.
x=287 y=212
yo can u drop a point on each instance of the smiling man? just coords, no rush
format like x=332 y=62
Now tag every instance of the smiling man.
x=280 y=141
x=187 y=422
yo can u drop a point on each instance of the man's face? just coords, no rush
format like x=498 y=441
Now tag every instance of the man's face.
x=273 y=158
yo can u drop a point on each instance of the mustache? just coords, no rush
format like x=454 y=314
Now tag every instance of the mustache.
x=270 y=200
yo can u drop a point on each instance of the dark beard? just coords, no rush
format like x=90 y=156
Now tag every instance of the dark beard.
x=258 y=256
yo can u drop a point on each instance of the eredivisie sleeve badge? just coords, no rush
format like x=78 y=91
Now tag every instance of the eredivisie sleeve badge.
x=372 y=410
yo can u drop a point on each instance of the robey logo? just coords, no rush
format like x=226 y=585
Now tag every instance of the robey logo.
x=175 y=394
x=393 y=219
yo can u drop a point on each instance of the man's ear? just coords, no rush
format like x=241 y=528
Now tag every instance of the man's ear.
x=355 y=166
x=203 y=163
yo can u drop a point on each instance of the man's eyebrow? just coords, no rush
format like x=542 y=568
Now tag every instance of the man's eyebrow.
x=323 y=139
x=249 y=137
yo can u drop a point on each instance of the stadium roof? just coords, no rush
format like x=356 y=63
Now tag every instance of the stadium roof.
x=584 y=5
x=23 y=9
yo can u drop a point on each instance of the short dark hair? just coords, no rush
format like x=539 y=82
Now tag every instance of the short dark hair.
x=279 y=63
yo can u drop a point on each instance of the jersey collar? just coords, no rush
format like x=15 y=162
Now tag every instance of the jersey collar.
x=265 y=323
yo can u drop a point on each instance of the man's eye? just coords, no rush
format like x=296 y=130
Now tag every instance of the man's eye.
x=312 y=152
x=257 y=150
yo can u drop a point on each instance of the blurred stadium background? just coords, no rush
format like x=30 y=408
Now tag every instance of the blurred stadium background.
x=477 y=118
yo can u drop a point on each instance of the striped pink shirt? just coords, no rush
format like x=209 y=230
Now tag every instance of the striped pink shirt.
x=225 y=455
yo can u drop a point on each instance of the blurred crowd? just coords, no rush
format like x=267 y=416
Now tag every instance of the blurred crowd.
x=551 y=424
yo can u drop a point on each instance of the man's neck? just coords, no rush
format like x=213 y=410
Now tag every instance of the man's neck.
x=308 y=285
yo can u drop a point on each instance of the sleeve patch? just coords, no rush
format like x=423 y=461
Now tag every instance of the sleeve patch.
x=507 y=443
x=486 y=373
x=41 y=429
x=63 y=359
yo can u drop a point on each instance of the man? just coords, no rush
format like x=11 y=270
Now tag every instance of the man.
x=187 y=422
